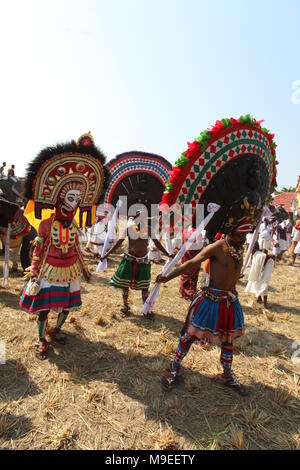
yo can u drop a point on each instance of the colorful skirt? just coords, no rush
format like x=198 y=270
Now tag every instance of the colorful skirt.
x=52 y=296
x=132 y=274
x=215 y=321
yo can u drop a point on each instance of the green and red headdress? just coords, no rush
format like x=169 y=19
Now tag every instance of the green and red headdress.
x=232 y=164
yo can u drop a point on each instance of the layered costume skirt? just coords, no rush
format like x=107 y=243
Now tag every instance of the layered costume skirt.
x=133 y=273
x=215 y=315
x=58 y=296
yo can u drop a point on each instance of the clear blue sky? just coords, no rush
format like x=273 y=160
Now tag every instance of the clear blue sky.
x=146 y=75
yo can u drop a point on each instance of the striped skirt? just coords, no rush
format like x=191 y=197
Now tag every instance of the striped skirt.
x=52 y=296
x=215 y=320
x=133 y=275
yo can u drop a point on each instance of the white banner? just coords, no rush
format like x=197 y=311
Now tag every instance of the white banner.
x=109 y=236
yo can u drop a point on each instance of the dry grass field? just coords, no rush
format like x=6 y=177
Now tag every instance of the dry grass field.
x=102 y=390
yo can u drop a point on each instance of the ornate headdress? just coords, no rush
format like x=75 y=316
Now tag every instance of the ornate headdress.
x=69 y=166
x=140 y=176
x=232 y=164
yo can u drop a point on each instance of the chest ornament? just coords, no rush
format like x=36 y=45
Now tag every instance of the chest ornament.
x=63 y=237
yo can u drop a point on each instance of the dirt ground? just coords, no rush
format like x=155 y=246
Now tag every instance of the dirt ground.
x=102 y=390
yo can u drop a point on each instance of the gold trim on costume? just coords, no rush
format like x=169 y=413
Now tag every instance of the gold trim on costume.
x=61 y=274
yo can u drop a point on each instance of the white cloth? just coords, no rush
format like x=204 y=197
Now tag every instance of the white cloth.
x=249 y=237
x=295 y=235
x=154 y=253
x=297 y=249
x=276 y=249
x=264 y=244
x=111 y=228
x=283 y=244
x=265 y=231
x=260 y=275
x=264 y=239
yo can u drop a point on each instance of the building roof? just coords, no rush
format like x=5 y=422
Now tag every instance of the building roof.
x=285 y=200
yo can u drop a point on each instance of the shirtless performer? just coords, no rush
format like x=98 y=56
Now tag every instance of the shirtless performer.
x=215 y=313
x=134 y=270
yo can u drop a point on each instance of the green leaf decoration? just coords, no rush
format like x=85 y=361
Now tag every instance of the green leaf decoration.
x=247 y=119
x=226 y=122
x=182 y=161
x=169 y=188
x=203 y=139
x=265 y=130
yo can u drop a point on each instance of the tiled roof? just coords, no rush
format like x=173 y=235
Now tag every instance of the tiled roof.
x=285 y=200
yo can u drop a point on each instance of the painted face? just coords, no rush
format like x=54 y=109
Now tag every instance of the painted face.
x=69 y=204
x=238 y=238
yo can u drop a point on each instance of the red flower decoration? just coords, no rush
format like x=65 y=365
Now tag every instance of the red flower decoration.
x=192 y=148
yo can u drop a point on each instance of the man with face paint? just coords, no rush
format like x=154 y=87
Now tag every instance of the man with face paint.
x=71 y=177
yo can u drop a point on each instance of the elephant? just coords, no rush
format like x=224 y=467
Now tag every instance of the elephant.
x=21 y=235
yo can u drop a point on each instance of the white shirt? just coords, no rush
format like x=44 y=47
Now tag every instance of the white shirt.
x=265 y=231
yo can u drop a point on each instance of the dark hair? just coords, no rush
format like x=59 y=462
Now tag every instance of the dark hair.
x=256 y=247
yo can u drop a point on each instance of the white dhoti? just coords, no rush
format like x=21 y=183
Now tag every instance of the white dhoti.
x=264 y=243
x=283 y=245
x=260 y=275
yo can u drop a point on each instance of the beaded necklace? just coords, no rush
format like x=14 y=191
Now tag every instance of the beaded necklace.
x=235 y=253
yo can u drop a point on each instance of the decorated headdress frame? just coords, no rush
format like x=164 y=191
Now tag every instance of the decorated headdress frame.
x=67 y=166
x=135 y=162
x=217 y=149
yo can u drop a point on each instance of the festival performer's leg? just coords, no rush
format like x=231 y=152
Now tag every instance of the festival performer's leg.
x=171 y=373
x=56 y=333
x=125 y=310
x=145 y=294
x=42 y=345
x=228 y=378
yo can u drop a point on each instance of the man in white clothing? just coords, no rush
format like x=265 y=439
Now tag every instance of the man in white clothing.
x=265 y=235
x=260 y=275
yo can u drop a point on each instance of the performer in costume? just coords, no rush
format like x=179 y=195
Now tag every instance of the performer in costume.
x=134 y=271
x=233 y=165
x=64 y=179
x=141 y=177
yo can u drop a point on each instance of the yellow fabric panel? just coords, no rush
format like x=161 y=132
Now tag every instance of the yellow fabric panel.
x=47 y=213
